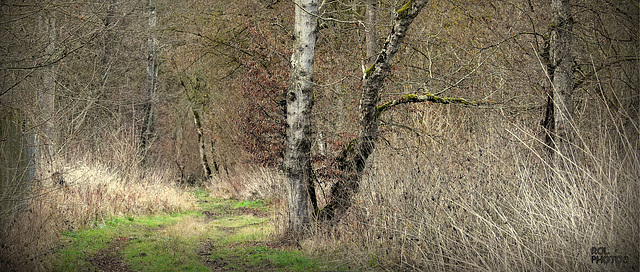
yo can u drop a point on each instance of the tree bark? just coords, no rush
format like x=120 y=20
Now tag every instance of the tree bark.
x=562 y=82
x=17 y=160
x=371 y=35
x=195 y=90
x=297 y=163
x=356 y=154
x=201 y=146
x=152 y=78
x=46 y=99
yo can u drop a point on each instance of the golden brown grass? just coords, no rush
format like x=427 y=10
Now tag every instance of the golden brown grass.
x=247 y=182
x=31 y=232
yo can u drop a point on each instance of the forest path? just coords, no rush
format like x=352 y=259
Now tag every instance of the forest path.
x=220 y=235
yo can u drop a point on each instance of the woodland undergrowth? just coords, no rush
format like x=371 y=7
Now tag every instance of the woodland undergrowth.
x=30 y=232
x=456 y=194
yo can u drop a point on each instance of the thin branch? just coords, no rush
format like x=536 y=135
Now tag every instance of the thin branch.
x=64 y=54
x=215 y=41
x=331 y=19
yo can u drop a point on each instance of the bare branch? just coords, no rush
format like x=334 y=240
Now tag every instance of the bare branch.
x=428 y=97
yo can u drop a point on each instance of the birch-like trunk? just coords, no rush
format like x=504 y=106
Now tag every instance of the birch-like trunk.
x=297 y=163
x=562 y=83
x=195 y=92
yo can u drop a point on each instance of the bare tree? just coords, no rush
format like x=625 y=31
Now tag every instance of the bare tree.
x=561 y=77
x=371 y=34
x=357 y=153
x=152 y=80
x=195 y=89
x=297 y=162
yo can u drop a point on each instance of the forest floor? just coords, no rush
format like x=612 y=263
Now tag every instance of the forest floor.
x=221 y=235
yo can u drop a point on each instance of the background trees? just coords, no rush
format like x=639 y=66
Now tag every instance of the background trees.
x=81 y=75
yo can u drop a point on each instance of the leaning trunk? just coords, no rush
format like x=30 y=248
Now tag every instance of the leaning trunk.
x=201 y=146
x=355 y=155
x=371 y=35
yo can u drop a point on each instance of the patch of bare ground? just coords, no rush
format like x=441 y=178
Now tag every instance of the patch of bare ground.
x=210 y=216
x=204 y=251
x=254 y=212
x=109 y=259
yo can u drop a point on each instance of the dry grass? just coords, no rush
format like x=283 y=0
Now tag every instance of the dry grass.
x=247 y=182
x=466 y=196
x=30 y=233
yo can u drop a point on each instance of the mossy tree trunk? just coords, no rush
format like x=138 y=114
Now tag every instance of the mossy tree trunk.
x=201 y=145
x=355 y=156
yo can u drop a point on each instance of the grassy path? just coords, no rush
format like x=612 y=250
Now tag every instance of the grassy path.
x=222 y=235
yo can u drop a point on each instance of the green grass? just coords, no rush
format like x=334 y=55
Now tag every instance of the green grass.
x=221 y=234
x=139 y=235
x=261 y=258
x=250 y=204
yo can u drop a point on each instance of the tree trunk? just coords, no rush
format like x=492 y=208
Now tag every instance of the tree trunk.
x=371 y=35
x=109 y=40
x=46 y=100
x=195 y=90
x=562 y=83
x=356 y=153
x=17 y=169
x=297 y=163
x=201 y=145
x=152 y=77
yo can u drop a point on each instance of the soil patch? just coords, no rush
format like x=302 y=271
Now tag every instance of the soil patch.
x=254 y=212
x=109 y=259
x=210 y=216
x=204 y=251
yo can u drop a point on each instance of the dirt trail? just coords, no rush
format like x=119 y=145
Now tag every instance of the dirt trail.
x=229 y=235
x=109 y=259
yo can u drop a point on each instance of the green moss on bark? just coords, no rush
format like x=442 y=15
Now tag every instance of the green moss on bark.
x=402 y=12
x=368 y=72
x=383 y=107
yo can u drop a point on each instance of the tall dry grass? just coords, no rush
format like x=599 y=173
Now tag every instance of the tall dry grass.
x=247 y=182
x=476 y=191
x=30 y=233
